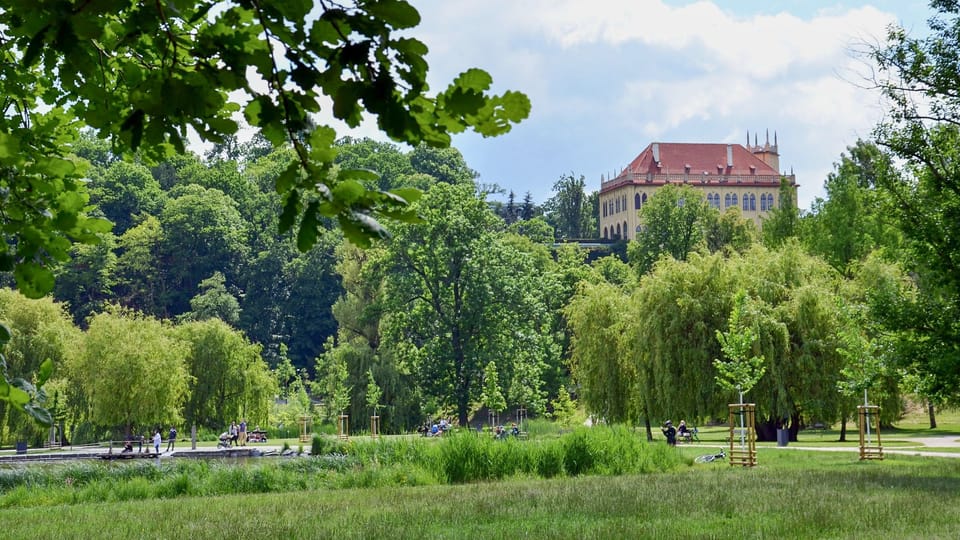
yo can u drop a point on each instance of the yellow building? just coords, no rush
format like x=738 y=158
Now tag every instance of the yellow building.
x=730 y=175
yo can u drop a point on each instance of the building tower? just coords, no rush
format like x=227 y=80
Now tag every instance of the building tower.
x=767 y=153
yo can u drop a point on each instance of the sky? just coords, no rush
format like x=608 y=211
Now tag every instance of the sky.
x=608 y=77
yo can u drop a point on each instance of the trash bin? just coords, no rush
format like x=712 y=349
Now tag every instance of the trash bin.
x=21 y=447
x=783 y=437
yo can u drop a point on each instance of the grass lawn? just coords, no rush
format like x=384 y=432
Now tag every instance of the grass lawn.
x=791 y=494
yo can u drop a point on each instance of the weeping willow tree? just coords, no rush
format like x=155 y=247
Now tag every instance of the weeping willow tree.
x=650 y=355
x=669 y=337
x=796 y=321
x=607 y=382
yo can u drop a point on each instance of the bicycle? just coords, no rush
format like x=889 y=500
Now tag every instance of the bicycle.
x=709 y=458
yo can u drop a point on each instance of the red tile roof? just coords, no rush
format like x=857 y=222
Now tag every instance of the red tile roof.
x=699 y=157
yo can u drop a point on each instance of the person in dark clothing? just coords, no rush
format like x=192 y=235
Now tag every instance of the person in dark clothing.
x=171 y=438
x=670 y=433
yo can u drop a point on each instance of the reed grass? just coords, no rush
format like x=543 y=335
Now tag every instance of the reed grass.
x=337 y=464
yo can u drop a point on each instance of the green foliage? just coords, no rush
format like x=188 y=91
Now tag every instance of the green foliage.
x=864 y=366
x=459 y=296
x=228 y=378
x=853 y=220
x=607 y=382
x=918 y=79
x=332 y=382
x=148 y=380
x=729 y=231
x=214 y=302
x=536 y=229
x=491 y=397
x=374 y=393
x=35 y=336
x=142 y=76
x=782 y=222
x=741 y=371
x=564 y=408
x=569 y=211
x=673 y=223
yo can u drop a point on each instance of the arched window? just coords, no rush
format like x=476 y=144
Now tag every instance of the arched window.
x=643 y=200
x=746 y=202
x=753 y=201
x=605 y=233
x=733 y=200
x=624 y=204
x=763 y=202
x=618 y=231
x=726 y=201
x=716 y=201
x=636 y=201
x=625 y=229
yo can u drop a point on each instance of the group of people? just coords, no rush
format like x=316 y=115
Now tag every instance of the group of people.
x=500 y=433
x=236 y=434
x=671 y=433
x=157 y=440
x=436 y=429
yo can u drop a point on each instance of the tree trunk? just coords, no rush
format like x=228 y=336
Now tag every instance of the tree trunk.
x=767 y=430
x=794 y=427
x=646 y=422
x=843 y=428
x=933 y=418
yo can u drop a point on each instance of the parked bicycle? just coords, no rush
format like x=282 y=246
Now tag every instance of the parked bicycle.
x=708 y=458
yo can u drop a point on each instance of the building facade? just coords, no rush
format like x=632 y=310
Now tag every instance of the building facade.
x=729 y=175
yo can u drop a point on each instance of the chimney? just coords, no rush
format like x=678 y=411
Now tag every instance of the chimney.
x=729 y=155
x=656 y=153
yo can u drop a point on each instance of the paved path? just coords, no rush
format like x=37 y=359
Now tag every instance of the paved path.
x=92 y=452
x=922 y=448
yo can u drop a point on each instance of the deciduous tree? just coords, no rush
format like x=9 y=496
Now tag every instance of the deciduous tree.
x=142 y=75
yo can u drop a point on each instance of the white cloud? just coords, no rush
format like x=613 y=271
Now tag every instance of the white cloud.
x=607 y=77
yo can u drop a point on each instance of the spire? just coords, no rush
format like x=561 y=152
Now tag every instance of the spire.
x=775 y=138
x=755 y=139
x=748 y=138
x=768 y=136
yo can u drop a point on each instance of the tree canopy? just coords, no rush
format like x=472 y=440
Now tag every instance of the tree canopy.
x=145 y=76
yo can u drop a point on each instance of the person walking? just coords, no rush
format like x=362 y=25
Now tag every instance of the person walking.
x=243 y=432
x=157 y=439
x=171 y=438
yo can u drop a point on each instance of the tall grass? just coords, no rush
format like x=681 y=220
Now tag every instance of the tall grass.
x=457 y=458
x=792 y=494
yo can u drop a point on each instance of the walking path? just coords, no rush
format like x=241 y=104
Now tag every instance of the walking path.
x=921 y=448
x=95 y=451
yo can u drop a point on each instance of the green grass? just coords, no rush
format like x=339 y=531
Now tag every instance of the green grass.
x=790 y=495
x=397 y=488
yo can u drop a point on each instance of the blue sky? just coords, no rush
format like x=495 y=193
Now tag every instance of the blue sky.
x=607 y=77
